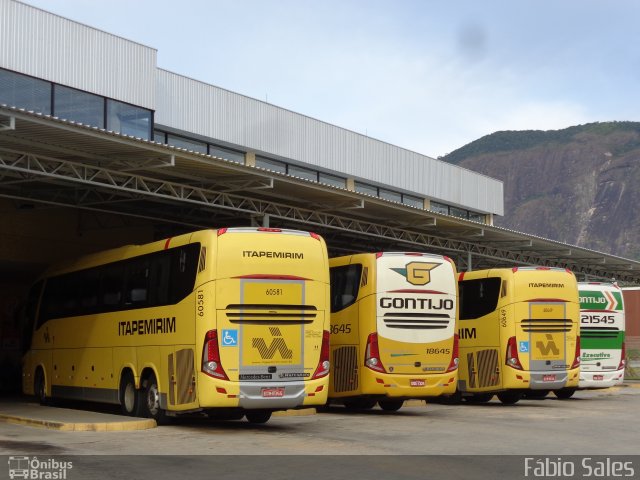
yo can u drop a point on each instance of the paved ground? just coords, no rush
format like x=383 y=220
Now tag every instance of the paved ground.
x=479 y=442
x=595 y=422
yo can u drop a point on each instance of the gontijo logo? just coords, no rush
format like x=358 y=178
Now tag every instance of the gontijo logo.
x=417 y=273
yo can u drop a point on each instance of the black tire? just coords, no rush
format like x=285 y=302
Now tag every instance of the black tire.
x=130 y=398
x=479 y=398
x=536 y=394
x=258 y=416
x=40 y=388
x=150 y=401
x=390 y=405
x=453 y=399
x=360 y=403
x=509 y=397
x=564 y=393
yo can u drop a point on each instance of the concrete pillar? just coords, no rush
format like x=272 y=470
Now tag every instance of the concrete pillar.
x=250 y=159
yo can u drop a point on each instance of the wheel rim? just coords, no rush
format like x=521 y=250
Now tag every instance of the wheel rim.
x=129 y=397
x=153 y=399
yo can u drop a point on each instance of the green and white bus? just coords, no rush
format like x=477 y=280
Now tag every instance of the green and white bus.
x=601 y=335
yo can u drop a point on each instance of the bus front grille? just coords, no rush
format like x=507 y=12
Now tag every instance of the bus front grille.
x=599 y=332
x=546 y=325
x=272 y=314
x=345 y=369
x=417 y=320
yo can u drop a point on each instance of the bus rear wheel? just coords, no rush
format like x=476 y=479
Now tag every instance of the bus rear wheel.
x=509 y=398
x=40 y=387
x=129 y=396
x=390 y=405
x=537 y=394
x=360 y=403
x=479 y=398
x=564 y=393
x=258 y=416
x=150 y=401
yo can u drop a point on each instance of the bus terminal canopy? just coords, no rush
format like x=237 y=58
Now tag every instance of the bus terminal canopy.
x=48 y=161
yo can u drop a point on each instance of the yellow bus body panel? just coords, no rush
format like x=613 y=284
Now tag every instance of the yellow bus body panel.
x=414 y=369
x=537 y=307
x=90 y=353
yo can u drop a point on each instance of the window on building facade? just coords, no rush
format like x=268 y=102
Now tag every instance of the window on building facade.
x=458 y=212
x=79 y=106
x=128 y=119
x=159 y=136
x=476 y=217
x=186 y=143
x=413 y=201
x=332 y=180
x=226 y=153
x=26 y=92
x=301 y=172
x=366 y=188
x=272 y=165
x=439 y=208
x=391 y=195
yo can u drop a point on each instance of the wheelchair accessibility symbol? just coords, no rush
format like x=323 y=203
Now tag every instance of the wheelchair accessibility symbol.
x=524 y=347
x=229 y=338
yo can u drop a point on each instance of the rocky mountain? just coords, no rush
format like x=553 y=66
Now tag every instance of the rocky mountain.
x=580 y=185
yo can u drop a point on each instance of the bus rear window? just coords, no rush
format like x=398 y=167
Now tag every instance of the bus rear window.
x=478 y=297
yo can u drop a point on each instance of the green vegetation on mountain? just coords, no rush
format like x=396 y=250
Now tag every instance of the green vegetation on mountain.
x=520 y=140
x=579 y=185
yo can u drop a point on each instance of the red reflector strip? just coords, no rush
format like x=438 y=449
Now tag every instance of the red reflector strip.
x=266 y=276
x=461 y=276
x=410 y=290
x=166 y=244
x=379 y=380
x=547 y=300
x=220 y=390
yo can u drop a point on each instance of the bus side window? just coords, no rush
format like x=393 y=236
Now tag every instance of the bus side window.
x=345 y=284
x=30 y=312
x=111 y=287
x=159 y=279
x=137 y=283
x=184 y=264
x=478 y=297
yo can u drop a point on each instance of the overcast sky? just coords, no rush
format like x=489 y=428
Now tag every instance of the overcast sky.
x=430 y=76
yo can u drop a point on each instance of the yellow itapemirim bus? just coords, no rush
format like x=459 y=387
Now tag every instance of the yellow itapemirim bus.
x=228 y=322
x=519 y=333
x=393 y=328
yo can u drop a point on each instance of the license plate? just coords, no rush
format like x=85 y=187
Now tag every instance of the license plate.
x=272 y=392
x=417 y=383
x=548 y=378
x=598 y=377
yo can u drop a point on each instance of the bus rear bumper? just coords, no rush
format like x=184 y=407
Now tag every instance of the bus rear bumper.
x=601 y=379
x=263 y=395
x=409 y=386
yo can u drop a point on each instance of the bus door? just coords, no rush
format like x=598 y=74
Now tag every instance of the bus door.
x=479 y=333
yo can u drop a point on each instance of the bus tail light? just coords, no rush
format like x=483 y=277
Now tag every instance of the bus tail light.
x=576 y=359
x=323 y=364
x=453 y=364
x=211 y=364
x=372 y=354
x=623 y=358
x=512 y=354
x=222 y=231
